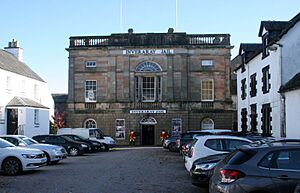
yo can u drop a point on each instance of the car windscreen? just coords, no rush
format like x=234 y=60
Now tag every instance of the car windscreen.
x=4 y=144
x=28 y=141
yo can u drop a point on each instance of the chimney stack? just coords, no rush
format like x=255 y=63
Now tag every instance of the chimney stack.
x=15 y=50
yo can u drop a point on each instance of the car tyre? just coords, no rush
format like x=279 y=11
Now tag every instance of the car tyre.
x=48 y=158
x=172 y=147
x=73 y=151
x=11 y=166
x=106 y=148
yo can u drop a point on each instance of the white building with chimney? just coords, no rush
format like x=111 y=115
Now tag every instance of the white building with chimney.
x=26 y=104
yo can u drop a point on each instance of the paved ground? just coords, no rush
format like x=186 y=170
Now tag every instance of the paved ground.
x=126 y=170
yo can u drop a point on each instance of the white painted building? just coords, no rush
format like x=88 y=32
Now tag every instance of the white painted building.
x=264 y=69
x=26 y=104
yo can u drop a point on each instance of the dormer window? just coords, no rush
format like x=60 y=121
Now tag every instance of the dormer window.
x=265 y=51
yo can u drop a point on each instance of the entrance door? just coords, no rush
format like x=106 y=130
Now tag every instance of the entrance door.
x=12 y=121
x=148 y=134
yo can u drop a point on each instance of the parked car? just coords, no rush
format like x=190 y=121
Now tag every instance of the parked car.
x=189 y=136
x=73 y=148
x=212 y=144
x=170 y=143
x=90 y=133
x=14 y=160
x=202 y=169
x=53 y=153
x=95 y=145
x=270 y=167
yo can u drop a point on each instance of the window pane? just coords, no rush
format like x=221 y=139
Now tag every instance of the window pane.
x=289 y=160
x=207 y=90
x=214 y=144
x=231 y=144
x=90 y=91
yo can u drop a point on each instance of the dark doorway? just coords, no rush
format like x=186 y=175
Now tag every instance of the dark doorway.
x=148 y=134
x=12 y=121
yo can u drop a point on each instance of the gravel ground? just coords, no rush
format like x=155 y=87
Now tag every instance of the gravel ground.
x=123 y=170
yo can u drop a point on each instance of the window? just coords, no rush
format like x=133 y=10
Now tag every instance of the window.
x=90 y=90
x=265 y=52
x=253 y=117
x=207 y=90
x=36 y=117
x=36 y=92
x=288 y=160
x=90 y=123
x=243 y=88
x=207 y=62
x=231 y=144
x=266 y=119
x=90 y=64
x=207 y=124
x=23 y=92
x=148 y=86
x=266 y=76
x=244 y=120
x=215 y=144
x=8 y=84
x=253 y=84
x=266 y=161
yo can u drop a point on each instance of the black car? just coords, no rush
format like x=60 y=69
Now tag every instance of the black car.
x=73 y=148
x=203 y=168
x=266 y=168
x=95 y=145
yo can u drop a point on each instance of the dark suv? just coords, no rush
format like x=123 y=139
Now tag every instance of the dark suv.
x=95 y=145
x=73 y=147
x=265 y=168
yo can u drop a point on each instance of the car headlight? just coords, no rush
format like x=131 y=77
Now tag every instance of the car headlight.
x=29 y=156
x=95 y=144
x=112 y=142
x=83 y=145
x=205 y=167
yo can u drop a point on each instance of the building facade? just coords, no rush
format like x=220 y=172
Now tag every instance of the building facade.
x=149 y=82
x=26 y=105
x=264 y=69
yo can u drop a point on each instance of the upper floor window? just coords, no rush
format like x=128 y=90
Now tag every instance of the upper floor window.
x=8 y=84
x=266 y=76
x=207 y=123
x=90 y=90
x=90 y=64
x=243 y=88
x=148 y=87
x=253 y=84
x=207 y=62
x=266 y=119
x=207 y=90
x=265 y=51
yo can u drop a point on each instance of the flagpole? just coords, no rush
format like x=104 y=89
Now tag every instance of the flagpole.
x=121 y=15
x=176 y=15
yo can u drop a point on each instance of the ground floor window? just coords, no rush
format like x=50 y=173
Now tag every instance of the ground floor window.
x=253 y=118
x=207 y=123
x=244 y=120
x=266 y=119
x=90 y=123
x=120 y=129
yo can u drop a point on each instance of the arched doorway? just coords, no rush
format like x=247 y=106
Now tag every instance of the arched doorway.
x=148 y=125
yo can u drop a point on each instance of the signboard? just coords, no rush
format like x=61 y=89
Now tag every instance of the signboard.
x=148 y=51
x=120 y=129
x=176 y=127
x=147 y=111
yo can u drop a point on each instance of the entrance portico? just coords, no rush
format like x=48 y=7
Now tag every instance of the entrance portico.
x=148 y=130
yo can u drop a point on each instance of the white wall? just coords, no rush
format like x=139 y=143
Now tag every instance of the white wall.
x=18 y=88
x=292 y=101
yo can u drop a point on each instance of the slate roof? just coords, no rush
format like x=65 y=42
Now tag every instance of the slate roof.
x=24 y=102
x=10 y=63
x=250 y=51
x=60 y=98
x=292 y=84
x=272 y=26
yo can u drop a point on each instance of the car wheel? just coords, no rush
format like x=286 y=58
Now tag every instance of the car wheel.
x=172 y=147
x=73 y=151
x=48 y=158
x=106 y=148
x=11 y=166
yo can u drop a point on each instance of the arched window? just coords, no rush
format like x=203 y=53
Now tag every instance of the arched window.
x=148 y=121
x=90 y=123
x=148 y=66
x=207 y=123
x=148 y=83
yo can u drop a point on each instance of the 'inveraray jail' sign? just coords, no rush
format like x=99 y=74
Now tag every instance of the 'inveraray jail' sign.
x=148 y=51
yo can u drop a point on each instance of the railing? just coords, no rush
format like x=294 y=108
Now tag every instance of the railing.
x=150 y=39
x=140 y=105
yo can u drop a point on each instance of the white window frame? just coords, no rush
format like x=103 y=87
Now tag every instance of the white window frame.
x=207 y=62
x=213 y=88
x=90 y=64
x=142 y=89
x=207 y=126
x=94 y=125
x=88 y=99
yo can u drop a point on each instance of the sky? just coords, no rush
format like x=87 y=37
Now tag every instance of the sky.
x=43 y=27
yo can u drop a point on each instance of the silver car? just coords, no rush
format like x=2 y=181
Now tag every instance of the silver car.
x=53 y=153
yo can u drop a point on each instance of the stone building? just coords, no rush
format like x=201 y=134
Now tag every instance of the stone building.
x=149 y=82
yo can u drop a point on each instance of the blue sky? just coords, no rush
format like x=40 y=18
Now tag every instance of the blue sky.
x=43 y=27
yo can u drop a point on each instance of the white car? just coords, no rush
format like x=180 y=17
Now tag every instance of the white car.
x=204 y=146
x=14 y=160
x=53 y=153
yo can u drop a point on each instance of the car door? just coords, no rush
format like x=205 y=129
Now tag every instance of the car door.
x=285 y=170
